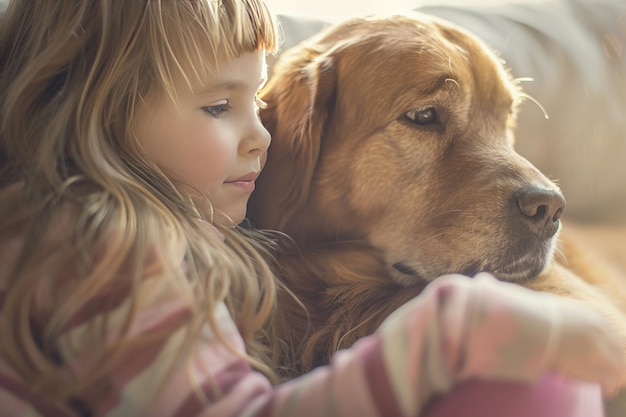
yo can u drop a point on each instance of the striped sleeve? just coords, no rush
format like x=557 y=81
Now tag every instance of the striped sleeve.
x=458 y=328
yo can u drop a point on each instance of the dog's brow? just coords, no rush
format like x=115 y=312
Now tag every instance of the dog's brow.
x=440 y=81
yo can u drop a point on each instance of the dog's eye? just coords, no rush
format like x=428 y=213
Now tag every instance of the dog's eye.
x=422 y=117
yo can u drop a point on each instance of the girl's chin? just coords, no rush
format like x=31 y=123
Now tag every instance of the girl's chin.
x=236 y=217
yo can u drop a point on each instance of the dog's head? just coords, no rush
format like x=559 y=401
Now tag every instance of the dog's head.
x=399 y=131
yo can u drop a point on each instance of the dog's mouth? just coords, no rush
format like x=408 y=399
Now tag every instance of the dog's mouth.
x=514 y=272
x=519 y=269
x=405 y=269
x=522 y=269
x=413 y=277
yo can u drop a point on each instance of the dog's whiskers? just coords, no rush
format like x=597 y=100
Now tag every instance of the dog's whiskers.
x=522 y=95
x=434 y=236
x=443 y=213
x=453 y=81
x=534 y=100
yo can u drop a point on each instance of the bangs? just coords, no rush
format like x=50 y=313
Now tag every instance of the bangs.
x=190 y=38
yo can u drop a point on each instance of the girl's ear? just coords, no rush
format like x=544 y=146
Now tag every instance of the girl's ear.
x=300 y=99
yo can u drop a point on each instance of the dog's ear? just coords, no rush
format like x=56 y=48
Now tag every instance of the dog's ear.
x=300 y=98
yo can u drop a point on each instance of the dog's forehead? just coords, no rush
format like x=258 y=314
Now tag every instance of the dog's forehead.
x=400 y=34
x=417 y=52
x=408 y=43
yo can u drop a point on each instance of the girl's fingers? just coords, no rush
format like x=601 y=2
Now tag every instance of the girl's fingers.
x=588 y=349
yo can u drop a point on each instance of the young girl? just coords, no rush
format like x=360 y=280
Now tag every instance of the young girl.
x=129 y=146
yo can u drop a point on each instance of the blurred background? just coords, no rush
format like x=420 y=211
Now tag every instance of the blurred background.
x=333 y=10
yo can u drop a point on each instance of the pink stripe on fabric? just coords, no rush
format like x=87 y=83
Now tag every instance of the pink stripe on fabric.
x=21 y=392
x=379 y=383
x=104 y=303
x=224 y=381
x=552 y=396
x=266 y=410
x=228 y=378
x=133 y=363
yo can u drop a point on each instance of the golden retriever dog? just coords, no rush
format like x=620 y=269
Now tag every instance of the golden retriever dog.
x=392 y=163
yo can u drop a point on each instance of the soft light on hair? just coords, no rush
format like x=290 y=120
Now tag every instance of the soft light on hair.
x=74 y=184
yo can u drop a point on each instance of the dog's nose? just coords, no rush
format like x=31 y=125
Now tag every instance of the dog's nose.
x=541 y=209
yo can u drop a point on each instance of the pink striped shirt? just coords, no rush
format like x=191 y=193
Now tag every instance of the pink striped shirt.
x=457 y=329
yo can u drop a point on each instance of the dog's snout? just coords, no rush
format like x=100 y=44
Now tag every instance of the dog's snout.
x=541 y=210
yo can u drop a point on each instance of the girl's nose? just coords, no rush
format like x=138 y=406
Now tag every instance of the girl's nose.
x=258 y=139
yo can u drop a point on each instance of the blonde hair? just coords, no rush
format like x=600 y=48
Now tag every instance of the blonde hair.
x=75 y=185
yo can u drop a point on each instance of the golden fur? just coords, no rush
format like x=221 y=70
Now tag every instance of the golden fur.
x=392 y=163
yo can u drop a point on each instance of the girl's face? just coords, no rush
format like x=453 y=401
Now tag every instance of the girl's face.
x=211 y=140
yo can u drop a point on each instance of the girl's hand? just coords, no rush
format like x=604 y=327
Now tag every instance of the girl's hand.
x=533 y=333
x=587 y=349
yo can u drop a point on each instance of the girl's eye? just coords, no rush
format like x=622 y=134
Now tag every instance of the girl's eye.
x=422 y=117
x=217 y=110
